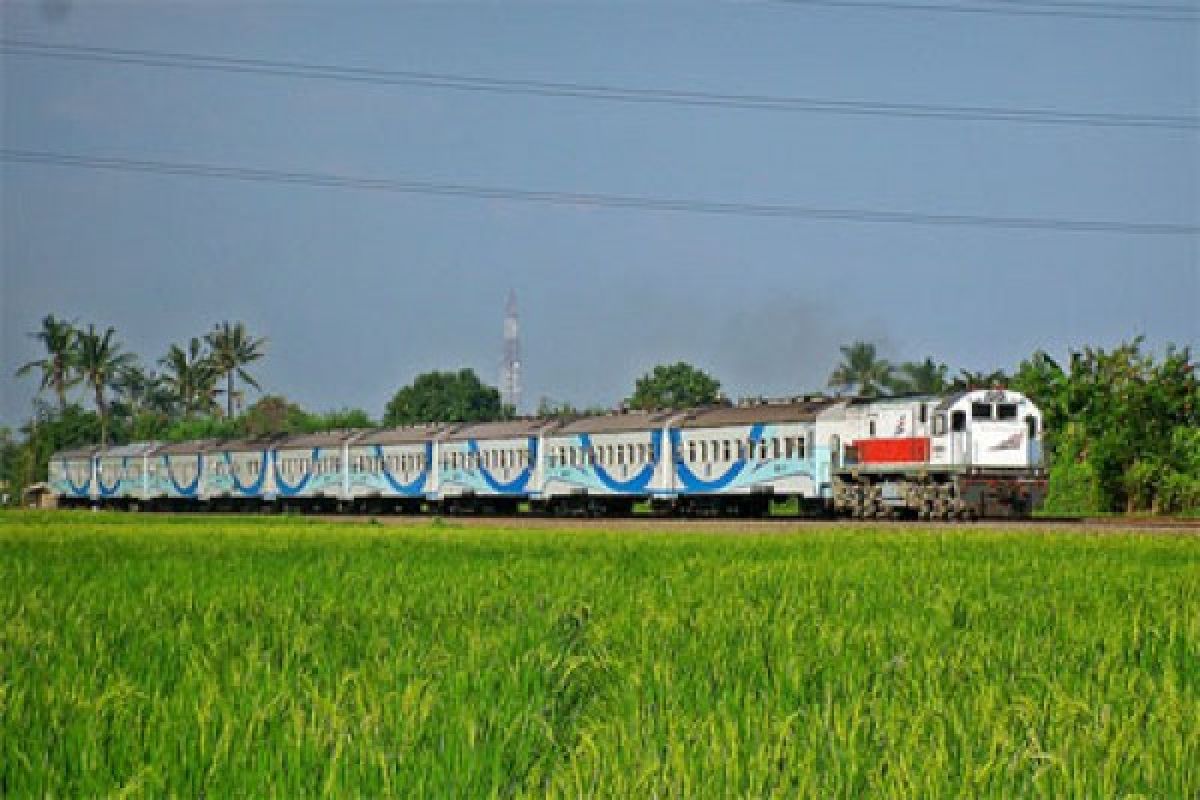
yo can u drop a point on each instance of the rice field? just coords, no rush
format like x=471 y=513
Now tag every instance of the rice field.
x=156 y=656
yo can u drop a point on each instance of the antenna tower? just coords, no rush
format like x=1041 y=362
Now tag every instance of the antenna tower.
x=510 y=372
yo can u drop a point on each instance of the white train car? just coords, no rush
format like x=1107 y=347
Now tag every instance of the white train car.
x=606 y=464
x=490 y=466
x=175 y=474
x=71 y=475
x=738 y=459
x=393 y=468
x=239 y=472
x=122 y=474
x=309 y=470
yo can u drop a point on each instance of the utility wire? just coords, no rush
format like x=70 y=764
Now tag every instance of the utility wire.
x=674 y=97
x=1112 y=11
x=632 y=202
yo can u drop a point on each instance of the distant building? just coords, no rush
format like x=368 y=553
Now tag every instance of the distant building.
x=39 y=495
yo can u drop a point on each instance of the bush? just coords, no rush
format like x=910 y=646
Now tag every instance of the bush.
x=1074 y=488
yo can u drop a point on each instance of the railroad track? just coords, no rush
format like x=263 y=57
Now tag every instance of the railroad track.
x=646 y=522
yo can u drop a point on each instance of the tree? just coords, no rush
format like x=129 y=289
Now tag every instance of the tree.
x=678 y=385
x=862 y=370
x=446 y=397
x=919 y=377
x=232 y=350
x=58 y=369
x=101 y=360
x=191 y=378
x=968 y=379
x=342 y=419
x=274 y=414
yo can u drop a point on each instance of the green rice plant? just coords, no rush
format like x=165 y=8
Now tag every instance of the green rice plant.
x=247 y=656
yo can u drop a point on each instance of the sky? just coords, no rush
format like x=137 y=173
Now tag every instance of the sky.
x=359 y=291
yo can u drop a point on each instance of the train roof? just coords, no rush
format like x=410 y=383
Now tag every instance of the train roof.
x=914 y=397
x=408 y=434
x=719 y=416
x=510 y=429
x=127 y=450
x=303 y=441
x=187 y=448
x=617 y=422
x=246 y=444
x=75 y=452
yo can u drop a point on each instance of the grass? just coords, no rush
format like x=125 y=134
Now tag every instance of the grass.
x=285 y=657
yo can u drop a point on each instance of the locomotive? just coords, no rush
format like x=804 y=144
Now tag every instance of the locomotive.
x=969 y=454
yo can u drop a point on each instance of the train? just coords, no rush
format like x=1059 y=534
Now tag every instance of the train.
x=962 y=455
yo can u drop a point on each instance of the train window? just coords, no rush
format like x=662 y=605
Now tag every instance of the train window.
x=650 y=453
x=691 y=451
x=800 y=447
x=703 y=451
x=1031 y=424
x=981 y=410
x=775 y=447
x=872 y=428
x=958 y=421
x=1006 y=411
x=727 y=451
x=923 y=412
x=762 y=449
x=939 y=424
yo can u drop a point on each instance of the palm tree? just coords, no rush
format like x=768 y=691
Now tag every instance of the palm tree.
x=862 y=369
x=923 y=377
x=191 y=377
x=101 y=361
x=58 y=368
x=232 y=349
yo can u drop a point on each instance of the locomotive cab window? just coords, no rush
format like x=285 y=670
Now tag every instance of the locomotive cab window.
x=1006 y=411
x=958 y=421
x=981 y=410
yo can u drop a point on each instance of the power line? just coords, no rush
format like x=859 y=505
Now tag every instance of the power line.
x=1099 y=11
x=674 y=97
x=631 y=202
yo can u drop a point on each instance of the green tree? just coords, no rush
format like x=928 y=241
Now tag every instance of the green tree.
x=862 y=371
x=101 y=360
x=446 y=397
x=678 y=385
x=342 y=419
x=274 y=414
x=191 y=378
x=58 y=370
x=1122 y=413
x=968 y=379
x=232 y=350
x=919 y=377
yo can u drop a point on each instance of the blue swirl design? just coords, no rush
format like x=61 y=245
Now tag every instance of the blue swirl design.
x=252 y=488
x=82 y=489
x=518 y=484
x=190 y=489
x=415 y=488
x=694 y=483
x=296 y=488
x=109 y=491
x=638 y=483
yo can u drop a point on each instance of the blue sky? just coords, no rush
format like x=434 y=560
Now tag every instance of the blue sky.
x=359 y=291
